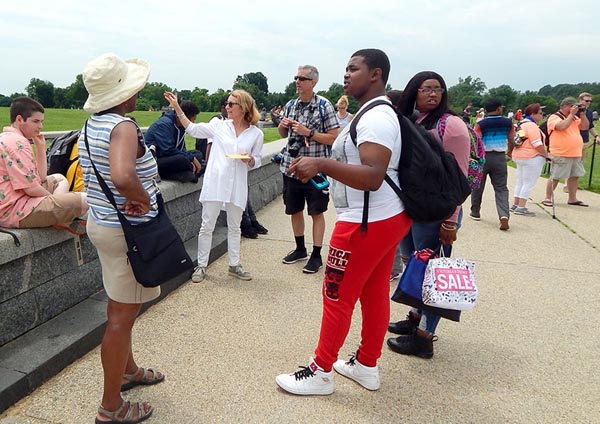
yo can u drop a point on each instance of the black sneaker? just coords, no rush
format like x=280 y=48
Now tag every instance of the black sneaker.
x=248 y=231
x=413 y=344
x=314 y=264
x=259 y=228
x=295 y=256
x=408 y=326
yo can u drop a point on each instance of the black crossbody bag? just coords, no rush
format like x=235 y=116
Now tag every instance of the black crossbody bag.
x=155 y=251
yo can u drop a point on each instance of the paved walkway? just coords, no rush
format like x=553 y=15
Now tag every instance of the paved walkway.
x=528 y=353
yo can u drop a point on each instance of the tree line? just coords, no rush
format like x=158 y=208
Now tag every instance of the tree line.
x=468 y=90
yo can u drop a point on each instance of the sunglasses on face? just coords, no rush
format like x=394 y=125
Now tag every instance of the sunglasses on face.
x=300 y=78
x=231 y=104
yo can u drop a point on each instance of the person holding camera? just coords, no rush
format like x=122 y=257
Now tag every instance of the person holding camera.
x=566 y=147
x=310 y=124
x=585 y=100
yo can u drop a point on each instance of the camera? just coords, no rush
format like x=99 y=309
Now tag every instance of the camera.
x=582 y=108
x=295 y=142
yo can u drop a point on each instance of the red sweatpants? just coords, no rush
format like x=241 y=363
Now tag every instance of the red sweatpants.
x=358 y=268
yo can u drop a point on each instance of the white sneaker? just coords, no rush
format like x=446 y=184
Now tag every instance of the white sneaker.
x=310 y=380
x=368 y=377
x=238 y=272
x=199 y=274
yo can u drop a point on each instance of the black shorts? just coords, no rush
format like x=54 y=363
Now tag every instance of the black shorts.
x=295 y=192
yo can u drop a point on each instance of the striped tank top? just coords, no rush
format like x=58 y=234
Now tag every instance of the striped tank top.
x=99 y=129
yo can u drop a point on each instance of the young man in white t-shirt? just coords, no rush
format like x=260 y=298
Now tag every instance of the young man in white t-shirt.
x=359 y=263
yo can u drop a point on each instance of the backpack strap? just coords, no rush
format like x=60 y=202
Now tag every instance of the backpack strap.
x=13 y=235
x=353 y=135
x=441 y=125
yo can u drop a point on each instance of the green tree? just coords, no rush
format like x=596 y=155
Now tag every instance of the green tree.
x=76 y=93
x=4 y=101
x=42 y=91
x=200 y=97
x=215 y=100
x=468 y=90
x=507 y=95
x=154 y=94
x=530 y=97
x=255 y=78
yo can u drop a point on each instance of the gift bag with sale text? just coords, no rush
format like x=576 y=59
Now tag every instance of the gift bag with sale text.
x=449 y=283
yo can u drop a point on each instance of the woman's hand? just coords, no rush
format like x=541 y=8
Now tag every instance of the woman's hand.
x=250 y=161
x=172 y=99
x=133 y=207
x=448 y=233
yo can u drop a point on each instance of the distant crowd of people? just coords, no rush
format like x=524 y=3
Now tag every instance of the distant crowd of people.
x=359 y=265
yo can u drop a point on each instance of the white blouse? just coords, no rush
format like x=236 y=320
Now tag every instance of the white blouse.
x=226 y=179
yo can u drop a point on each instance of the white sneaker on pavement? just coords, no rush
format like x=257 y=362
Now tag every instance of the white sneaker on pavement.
x=310 y=380
x=199 y=274
x=368 y=377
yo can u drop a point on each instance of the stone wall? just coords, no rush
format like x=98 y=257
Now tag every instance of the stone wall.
x=53 y=270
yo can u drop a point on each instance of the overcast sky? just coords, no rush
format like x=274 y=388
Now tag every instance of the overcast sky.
x=207 y=44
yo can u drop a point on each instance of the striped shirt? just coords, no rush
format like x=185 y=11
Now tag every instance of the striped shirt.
x=494 y=132
x=99 y=129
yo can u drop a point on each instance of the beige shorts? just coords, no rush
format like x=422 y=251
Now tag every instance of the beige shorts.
x=119 y=282
x=55 y=209
x=563 y=168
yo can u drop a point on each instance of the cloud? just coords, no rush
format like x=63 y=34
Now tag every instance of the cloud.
x=199 y=44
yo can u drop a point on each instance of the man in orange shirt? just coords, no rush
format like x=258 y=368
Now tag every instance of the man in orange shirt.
x=566 y=149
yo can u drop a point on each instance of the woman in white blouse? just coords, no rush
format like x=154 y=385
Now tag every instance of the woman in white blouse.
x=236 y=148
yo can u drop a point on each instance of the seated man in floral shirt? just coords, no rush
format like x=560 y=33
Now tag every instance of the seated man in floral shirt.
x=30 y=198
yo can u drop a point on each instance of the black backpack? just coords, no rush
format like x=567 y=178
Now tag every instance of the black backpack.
x=59 y=156
x=544 y=128
x=432 y=183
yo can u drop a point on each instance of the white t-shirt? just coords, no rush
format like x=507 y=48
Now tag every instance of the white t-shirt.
x=379 y=125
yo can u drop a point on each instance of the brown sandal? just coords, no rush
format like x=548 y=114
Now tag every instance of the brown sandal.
x=149 y=377
x=128 y=417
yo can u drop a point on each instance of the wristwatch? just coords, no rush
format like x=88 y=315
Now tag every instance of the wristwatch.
x=311 y=134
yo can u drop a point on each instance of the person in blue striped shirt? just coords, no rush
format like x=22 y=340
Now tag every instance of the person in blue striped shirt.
x=497 y=133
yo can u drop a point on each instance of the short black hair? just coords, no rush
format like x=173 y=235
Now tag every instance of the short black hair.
x=375 y=58
x=395 y=96
x=189 y=108
x=492 y=104
x=24 y=106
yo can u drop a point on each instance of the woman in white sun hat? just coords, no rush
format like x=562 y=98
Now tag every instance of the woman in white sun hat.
x=118 y=150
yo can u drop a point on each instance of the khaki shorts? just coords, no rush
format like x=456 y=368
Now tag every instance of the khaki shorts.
x=563 y=168
x=118 y=279
x=55 y=209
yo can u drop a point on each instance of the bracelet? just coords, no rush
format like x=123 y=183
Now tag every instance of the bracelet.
x=448 y=227
x=180 y=115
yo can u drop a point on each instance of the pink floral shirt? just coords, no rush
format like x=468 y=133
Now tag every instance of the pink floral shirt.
x=18 y=171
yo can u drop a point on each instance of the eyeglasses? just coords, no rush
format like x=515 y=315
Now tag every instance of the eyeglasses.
x=297 y=77
x=429 y=90
x=231 y=104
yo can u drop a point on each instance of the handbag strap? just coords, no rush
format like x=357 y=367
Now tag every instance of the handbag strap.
x=107 y=192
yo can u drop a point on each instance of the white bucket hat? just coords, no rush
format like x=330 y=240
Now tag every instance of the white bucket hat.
x=111 y=80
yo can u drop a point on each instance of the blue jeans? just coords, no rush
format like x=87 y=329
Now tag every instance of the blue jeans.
x=423 y=236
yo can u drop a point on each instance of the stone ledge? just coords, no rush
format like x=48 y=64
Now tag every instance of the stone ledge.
x=27 y=361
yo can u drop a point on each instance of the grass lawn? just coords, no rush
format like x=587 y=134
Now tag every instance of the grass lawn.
x=72 y=119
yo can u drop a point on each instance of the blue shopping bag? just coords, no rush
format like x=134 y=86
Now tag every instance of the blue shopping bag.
x=410 y=287
x=411 y=281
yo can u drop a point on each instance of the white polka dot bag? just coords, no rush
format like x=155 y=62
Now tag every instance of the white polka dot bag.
x=449 y=283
